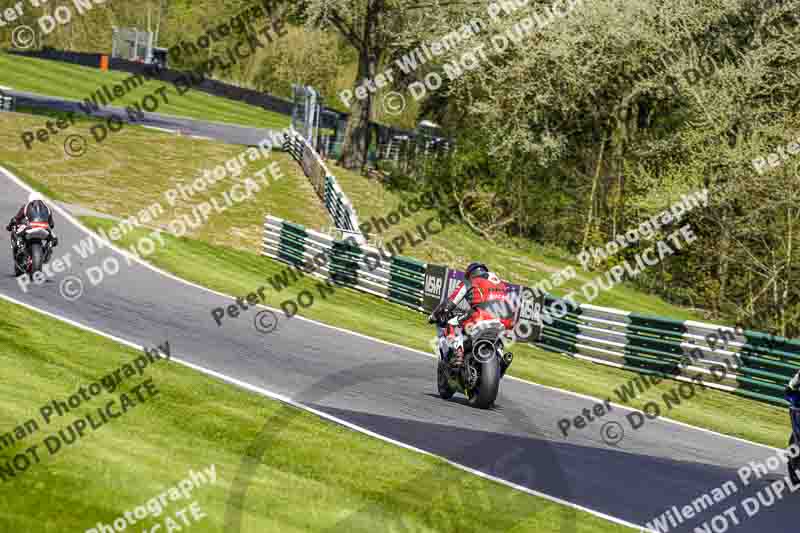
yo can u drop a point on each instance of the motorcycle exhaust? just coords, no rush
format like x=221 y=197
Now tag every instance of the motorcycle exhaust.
x=507 y=358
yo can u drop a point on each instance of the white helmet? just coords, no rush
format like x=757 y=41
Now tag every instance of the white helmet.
x=32 y=197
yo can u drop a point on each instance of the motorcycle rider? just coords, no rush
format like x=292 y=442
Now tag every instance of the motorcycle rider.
x=34 y=210
x=486 y=297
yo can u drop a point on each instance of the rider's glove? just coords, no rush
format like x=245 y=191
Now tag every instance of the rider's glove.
x=442 y=311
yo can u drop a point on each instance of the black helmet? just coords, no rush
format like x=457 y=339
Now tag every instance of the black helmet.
x=476 y=269
x=37 y=211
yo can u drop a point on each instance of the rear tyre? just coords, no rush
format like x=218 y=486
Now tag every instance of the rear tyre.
x=37 y=255
x=793 y=463
x=484 y=395
x=445 y=392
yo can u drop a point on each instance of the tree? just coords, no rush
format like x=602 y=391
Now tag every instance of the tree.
x=601 y=117
x=376 y=29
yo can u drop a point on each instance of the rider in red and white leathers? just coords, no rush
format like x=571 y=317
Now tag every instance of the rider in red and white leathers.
x=485 y=296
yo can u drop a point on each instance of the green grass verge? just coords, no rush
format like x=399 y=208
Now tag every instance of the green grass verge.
x=36 y=184
x=75 y=82
x=238 y=273
x=134 y=168
x=312 y=476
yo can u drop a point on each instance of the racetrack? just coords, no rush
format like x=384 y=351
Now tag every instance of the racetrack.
x=390 y=390
x=228 y=133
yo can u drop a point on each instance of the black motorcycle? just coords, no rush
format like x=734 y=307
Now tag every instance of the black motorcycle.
x=32 y=245
x=485 y=361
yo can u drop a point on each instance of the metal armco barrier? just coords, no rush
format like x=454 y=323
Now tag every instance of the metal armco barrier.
x=397 y=279
x=6 y=102
x=744 y=362
x=336 y=202
x=747 y=363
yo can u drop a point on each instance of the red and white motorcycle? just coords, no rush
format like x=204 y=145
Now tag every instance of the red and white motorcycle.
x=485 y=360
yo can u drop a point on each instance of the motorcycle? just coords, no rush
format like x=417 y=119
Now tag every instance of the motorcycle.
x=793 y=397
x=31 y=246
x=485 y=361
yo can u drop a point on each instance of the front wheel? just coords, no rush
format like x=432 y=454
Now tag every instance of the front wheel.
x=37 y=255
x=484 y=395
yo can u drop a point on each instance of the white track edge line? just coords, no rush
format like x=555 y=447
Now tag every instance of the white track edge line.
x=158 y=129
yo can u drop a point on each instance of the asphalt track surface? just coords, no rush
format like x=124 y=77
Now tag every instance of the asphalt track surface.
x=222 y=132
x=390 y=390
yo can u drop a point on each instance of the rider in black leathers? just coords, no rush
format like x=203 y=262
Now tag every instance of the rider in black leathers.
x=34 y=210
